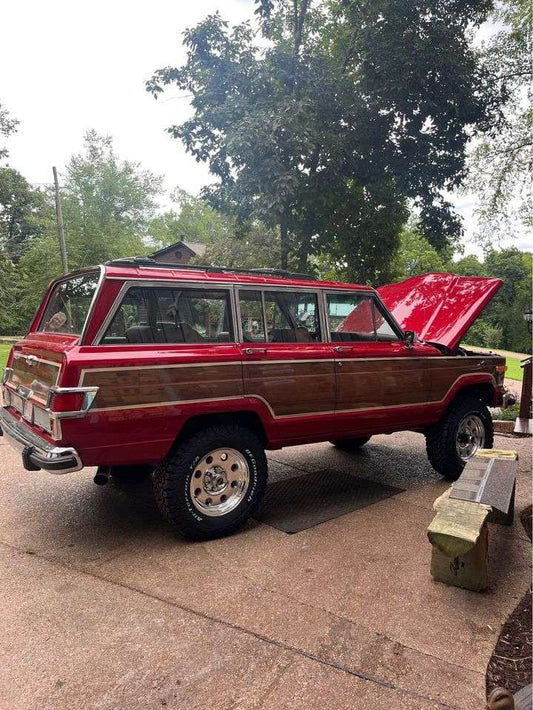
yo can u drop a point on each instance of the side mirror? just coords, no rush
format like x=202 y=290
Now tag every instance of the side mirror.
x=409 y=338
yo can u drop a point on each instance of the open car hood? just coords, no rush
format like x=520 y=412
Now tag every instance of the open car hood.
x=440 y=308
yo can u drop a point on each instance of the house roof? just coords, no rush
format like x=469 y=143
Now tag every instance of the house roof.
x=196 y=248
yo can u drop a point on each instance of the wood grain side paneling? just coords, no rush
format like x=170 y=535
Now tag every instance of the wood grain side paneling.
x=151 y=385
x=293 y=387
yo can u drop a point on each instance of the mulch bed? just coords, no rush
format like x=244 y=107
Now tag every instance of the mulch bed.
x=510 y=663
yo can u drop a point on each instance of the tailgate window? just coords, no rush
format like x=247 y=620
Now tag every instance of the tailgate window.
x=69 y=304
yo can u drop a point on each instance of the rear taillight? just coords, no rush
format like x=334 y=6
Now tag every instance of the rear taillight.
x=67 y=401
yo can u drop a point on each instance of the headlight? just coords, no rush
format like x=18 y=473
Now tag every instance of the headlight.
x=42 y=418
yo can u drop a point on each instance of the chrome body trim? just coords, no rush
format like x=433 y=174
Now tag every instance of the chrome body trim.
x=67 y=277
x=88 y=399
x=142 y=283
x=93 y=303
x=40 y=452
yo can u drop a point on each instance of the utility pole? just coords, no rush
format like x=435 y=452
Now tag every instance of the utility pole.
x=60 y=231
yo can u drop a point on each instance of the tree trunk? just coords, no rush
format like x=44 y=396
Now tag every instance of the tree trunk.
x=284 y=242
x=303 y=254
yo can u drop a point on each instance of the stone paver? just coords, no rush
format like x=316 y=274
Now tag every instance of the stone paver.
x=113 y=611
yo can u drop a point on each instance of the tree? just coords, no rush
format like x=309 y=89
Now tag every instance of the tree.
x=108 y=205
x=8 y=126
x=9 y=296
x=502 y=323
x=502 y=160
x=416 y=255
x=469 y=266
x=22 y=209
x=324 y=130
x=194 y=220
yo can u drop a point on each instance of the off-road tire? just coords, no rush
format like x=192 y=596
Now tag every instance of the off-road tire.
x=351 y=445
x=173 y=476
x=441 y=438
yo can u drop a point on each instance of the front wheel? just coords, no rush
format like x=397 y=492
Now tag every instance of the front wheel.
x=212 y=482
x=464 y=429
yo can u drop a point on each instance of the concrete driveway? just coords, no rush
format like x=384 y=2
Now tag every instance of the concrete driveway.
x=103 y=607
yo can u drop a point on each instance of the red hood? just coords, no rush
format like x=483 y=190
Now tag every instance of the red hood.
x=440 y=308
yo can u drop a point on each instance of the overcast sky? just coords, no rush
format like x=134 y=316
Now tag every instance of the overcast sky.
x=66 y=67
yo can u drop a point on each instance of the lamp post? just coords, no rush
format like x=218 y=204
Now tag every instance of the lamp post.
x=528 y=317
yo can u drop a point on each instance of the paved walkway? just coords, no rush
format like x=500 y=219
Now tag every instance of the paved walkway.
x=102 y=607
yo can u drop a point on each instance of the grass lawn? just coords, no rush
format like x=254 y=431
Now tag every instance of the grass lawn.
x=4 y=352
x=514 y=371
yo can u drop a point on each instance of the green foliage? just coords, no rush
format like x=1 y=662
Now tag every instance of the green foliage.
x=22 y=211
x=415 y=254
x=316 y=132
x=502 y=324
x=509 y=414
x=193 y=221
x=484 y=334
x=256 y=247
x=9 y=295
x=500 y=165
x=108 y=206
x=469 y=266
x=8 y=125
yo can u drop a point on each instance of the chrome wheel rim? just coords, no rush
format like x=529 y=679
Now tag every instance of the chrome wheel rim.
x=219 y=482
x=470 y=436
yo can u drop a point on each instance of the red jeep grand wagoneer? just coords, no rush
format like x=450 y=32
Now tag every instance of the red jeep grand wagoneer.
x=193 y=372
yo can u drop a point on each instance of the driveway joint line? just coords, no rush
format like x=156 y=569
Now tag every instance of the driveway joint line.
x=240 y=629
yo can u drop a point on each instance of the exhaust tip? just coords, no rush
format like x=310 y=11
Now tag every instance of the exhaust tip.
x=102 y=476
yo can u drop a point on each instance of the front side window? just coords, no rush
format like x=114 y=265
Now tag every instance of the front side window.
x=358 y=318
x=350 y=317
x=384 y=330
x=171 y=315
x=69 y=304
x=288 y=316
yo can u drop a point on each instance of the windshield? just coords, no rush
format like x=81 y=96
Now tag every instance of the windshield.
x=68 y=305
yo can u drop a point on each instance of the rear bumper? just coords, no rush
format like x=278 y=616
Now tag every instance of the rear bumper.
x=37 y=453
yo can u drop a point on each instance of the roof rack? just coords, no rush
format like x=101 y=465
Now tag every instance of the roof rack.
x=146 y=261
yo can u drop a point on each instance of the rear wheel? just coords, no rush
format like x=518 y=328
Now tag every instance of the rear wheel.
x=212 y=482
x=351 y=444
x=465 y=428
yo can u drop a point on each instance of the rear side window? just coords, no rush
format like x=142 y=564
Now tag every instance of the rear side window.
x=279 y=317
x=171 y=315
x=69 y=304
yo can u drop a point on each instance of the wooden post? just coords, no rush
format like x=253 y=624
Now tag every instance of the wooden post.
x=60 y=231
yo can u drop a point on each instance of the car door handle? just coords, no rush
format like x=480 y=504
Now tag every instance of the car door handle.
x=253 y=351
x=342 y=348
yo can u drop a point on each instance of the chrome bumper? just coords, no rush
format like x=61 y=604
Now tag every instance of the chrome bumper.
x=36 y=452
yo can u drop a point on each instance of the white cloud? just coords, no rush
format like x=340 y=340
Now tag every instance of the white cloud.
x=69 y=66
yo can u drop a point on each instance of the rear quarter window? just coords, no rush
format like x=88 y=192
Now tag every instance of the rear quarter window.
x=68 y=305
x=171 y=315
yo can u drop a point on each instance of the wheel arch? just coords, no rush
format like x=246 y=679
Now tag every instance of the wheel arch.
x=484 y=391
x=245 y=418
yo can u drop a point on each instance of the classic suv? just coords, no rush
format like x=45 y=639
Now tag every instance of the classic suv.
x=196 y=371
